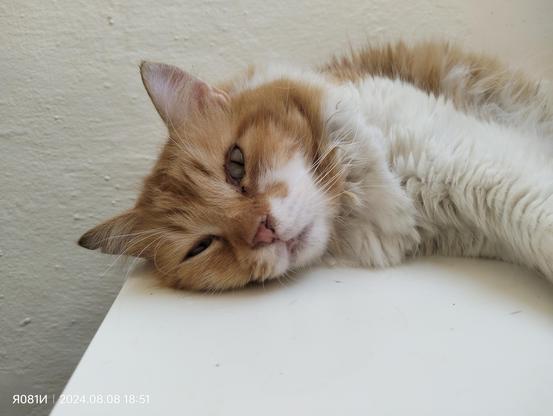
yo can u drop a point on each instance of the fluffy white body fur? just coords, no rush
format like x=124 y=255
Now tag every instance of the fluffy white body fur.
x=425 y=177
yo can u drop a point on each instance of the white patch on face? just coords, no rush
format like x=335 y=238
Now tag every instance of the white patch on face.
x=302 y=218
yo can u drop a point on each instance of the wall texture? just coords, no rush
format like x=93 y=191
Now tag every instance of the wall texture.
x=77 y=131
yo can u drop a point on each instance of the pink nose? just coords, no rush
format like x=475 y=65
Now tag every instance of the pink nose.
x=265 y=232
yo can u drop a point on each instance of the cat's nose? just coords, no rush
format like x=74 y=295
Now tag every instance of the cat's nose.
x=265 y=233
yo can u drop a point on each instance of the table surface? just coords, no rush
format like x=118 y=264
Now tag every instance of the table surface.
x=434 y=337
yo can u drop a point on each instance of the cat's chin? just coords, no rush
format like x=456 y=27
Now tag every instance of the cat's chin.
x=297 y=243
x=290 y=251
x=303 y=249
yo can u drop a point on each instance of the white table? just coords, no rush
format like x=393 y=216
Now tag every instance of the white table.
x=434 y=337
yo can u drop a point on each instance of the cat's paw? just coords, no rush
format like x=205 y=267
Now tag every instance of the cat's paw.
x=544 y=260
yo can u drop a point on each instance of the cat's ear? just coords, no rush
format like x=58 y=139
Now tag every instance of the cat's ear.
x=177 y=95
x=123 y=234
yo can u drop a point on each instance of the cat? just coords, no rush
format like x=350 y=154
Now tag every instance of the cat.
x=378 y=156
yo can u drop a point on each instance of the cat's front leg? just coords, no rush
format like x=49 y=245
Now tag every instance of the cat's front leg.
x=484 y=210
x=377 y=223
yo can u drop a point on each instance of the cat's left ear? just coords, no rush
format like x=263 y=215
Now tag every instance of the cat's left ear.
x=178 y=95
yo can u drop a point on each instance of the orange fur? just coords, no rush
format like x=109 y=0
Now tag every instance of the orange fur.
x=427 y=64
x=186 y=194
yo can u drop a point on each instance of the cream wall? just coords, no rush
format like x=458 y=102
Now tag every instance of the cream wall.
x=77 y=131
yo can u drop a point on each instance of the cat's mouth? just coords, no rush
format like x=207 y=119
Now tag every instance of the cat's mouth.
x=295 y=244
x=287 y=253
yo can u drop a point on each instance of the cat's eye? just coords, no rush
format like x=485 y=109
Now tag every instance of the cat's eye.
x=234 y=166
x=199 y=247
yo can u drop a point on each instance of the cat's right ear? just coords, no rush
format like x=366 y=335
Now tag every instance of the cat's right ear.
x=178 y=95
x=123 y=234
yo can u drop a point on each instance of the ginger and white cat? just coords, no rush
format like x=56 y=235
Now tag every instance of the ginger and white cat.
x=378 y=156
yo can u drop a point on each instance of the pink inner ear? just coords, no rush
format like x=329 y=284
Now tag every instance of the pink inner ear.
x=206 y=96
x=200 y=95
x=221 y=96
x=176 y=94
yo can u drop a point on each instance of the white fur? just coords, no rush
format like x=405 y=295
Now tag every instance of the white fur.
x=479 y=187
x=425 y=177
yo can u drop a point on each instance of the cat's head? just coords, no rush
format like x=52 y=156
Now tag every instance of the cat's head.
x=244 y=190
